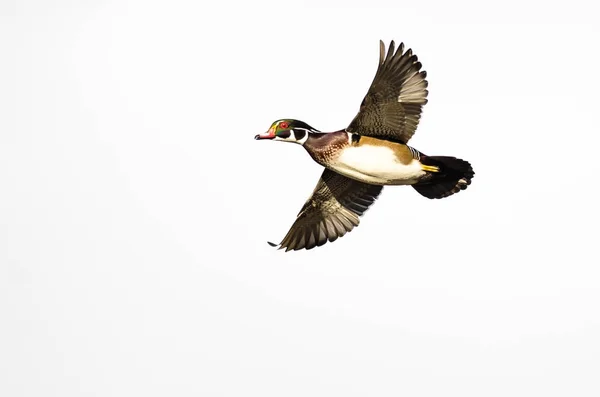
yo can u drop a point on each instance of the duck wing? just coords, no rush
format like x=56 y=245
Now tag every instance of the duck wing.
x=392 y=107
x=333 y=209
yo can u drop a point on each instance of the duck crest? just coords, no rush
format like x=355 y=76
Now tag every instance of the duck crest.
x=325 y=146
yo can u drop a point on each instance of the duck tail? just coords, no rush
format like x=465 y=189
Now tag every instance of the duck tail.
x=452 y=176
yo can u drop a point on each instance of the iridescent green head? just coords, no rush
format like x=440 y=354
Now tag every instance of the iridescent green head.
x=288 y=130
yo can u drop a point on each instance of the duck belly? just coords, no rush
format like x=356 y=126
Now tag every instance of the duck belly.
x=379 y=165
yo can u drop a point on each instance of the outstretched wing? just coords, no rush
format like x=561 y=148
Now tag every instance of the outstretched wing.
x=332 y=210
x=392 y=107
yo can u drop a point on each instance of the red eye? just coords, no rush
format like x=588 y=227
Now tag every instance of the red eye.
x=283 y=124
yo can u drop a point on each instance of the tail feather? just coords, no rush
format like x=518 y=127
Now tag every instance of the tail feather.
x=454 y=175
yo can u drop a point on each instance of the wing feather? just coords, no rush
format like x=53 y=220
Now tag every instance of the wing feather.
x=333 y=209
x=392 y=107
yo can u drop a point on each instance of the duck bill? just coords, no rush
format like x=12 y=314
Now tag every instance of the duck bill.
x=267 y=135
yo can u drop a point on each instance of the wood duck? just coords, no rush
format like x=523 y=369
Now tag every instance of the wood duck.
x=370 y=153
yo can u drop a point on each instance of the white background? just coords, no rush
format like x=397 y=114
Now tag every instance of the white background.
x=135 y=205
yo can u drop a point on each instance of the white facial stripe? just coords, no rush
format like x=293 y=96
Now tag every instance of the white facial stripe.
x=303 y=140
x=305 y=137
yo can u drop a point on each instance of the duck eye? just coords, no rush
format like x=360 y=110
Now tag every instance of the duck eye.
x=284 y=124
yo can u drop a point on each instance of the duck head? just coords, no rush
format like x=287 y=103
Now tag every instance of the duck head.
x=288 y=130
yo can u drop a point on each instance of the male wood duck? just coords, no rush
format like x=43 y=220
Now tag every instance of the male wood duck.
x=370 y=153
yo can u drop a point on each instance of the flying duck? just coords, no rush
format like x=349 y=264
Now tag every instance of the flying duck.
x=370 y=153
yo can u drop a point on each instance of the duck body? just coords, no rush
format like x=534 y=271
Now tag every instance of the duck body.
x=367 y=159
x=372 y=152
